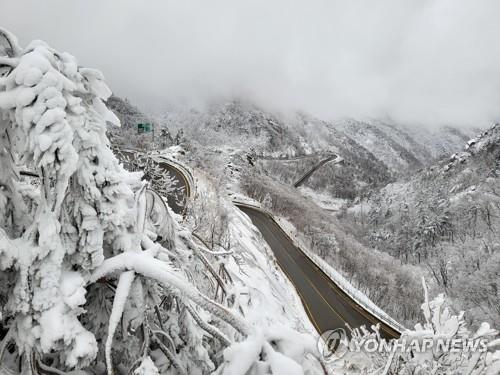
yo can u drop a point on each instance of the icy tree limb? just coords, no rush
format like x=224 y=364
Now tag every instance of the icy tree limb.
x=145 y=343
x=205 y=261
x=12 y=62
x=160 y=271
x=140 y=203
x=389 y=363
x=158 y=316
x=136 y=364
x=15 y=50
x=45 y=369
x=225 y=272
x=166 y=336
x=214 y=331
x=211 y=252
x=122 y=291
x=214 y=273
x=426 y=305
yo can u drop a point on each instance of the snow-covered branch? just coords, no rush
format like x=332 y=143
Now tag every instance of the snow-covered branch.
x=163 y=273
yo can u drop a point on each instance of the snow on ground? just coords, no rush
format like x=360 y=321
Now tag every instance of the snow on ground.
x=323 y=200
x=173 y=152
x=276 y=295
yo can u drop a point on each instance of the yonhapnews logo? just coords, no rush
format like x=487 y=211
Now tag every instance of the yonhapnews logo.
x=334 y=344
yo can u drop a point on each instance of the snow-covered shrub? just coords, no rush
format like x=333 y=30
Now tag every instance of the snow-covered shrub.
x=428 y=348
x=53 y=120
x=280 y=352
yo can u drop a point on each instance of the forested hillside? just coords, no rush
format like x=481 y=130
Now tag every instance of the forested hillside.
x=444 y=219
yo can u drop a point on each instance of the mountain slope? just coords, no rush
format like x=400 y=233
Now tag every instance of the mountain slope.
x=374 y=152
x=445 y=219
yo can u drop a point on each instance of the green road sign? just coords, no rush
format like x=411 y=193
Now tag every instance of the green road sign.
x=144 y=128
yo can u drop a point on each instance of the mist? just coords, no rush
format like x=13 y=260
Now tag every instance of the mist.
x=421 y=62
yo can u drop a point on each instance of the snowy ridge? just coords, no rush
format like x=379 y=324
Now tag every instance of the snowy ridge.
x=357 y=296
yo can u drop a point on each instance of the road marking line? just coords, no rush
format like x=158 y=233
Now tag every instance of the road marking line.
x=355 y=306
x=316 y=289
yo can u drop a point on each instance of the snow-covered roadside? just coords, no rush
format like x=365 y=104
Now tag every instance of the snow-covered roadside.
x=264 y=295
x=323 y=200
x=272 y=298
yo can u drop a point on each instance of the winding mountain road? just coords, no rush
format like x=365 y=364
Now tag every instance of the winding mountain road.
x=326 y=304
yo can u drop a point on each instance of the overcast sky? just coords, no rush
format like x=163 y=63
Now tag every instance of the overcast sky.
x=417 y=61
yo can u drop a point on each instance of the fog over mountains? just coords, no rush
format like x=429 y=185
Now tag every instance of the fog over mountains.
x=418 y=62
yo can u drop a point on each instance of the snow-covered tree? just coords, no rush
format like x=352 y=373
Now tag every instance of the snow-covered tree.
x=267 y=202
x=161 y=181
x=76 y=260
x=95 y=273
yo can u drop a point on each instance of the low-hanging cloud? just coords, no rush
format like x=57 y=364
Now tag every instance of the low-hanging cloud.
x=416 y=61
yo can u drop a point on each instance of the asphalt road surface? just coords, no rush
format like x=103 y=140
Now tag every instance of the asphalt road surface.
x=309 y=173
x=326 y=304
